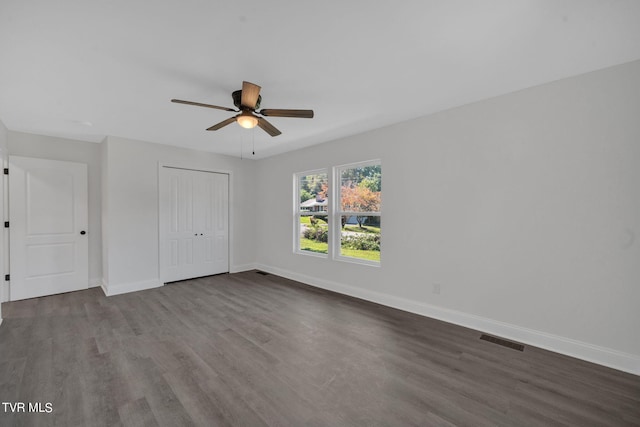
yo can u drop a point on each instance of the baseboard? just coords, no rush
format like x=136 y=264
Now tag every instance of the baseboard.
x=123 y=288
x=241 y=268
x=578 y=349
x=4 y=288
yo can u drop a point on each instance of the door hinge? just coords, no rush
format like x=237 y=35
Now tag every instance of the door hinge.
x=6 y=171
x=6 y=277
x=6 y=224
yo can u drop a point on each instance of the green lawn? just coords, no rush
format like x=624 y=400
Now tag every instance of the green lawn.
x=323 y=220
x=307 y=220
x=323 y=248
x=313 y=246
x=364 y=229
x=355 y=253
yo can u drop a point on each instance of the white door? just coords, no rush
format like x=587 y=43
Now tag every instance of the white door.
x=194 y=223
x=47 y=227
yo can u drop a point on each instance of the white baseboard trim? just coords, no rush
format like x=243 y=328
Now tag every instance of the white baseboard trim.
x=580 y=350
x=241 y=268
x=4 y=288
x=123 y=288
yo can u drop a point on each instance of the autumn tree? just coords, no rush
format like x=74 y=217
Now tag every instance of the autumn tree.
x=359 y=198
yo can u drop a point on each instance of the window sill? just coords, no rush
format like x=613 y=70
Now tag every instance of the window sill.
x=352 y=260
x=310 y=253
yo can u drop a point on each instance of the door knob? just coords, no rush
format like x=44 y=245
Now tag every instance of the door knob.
x=83 y=232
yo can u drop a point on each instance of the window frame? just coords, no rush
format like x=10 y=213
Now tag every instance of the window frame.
x=334 y=213
x=297 y=212
x=335 y=225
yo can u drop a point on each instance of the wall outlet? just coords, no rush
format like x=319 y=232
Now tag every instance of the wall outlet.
x=436 y=288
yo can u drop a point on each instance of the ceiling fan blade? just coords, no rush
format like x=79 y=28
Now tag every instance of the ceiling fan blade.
x=268 y=127
x=306 y=114
x=198 y=104
x=250 y=93
x=223 y=123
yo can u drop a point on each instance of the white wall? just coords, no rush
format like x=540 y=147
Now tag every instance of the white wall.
x=130 y=216
x=48 y=147
x=524 y=208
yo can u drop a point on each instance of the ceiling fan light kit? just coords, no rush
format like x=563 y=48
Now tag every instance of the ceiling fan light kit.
x=247 y=120
x=248 y=101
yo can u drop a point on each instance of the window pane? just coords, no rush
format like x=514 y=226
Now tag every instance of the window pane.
x=360 y=237
x=314 y=222
x=313 y=191
x=314 y=233
x=361 y=189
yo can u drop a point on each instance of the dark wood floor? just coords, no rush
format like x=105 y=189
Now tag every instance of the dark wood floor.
x=253 y=350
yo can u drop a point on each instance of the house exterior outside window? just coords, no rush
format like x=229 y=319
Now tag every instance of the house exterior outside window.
x=311 y=218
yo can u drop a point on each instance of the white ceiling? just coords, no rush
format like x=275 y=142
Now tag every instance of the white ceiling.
x=84 y=69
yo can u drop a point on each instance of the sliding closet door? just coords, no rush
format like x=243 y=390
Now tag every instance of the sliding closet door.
x=194 y=223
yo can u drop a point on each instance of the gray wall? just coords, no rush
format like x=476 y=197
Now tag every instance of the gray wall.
x=130 y=194
x=524 y=208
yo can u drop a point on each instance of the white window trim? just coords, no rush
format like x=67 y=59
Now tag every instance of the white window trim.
x=335 y=225
x=297 y=215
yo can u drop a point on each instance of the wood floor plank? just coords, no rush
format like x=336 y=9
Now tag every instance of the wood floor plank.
x=137 y=413
x=259 y=350
x=201 y=409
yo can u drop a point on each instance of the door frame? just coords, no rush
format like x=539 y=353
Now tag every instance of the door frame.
x=230 y=208
x=4 y=233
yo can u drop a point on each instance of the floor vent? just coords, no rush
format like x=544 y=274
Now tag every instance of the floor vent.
x=264 y=273
x=503 y=342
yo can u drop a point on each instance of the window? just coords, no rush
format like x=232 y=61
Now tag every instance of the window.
x=359 y=189
x=347 y=227
x=311 y=212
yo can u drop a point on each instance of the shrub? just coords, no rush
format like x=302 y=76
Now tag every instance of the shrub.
x=319 y=234
x=362 y=242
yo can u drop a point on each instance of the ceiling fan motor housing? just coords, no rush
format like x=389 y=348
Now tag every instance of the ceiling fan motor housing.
x=237 y=96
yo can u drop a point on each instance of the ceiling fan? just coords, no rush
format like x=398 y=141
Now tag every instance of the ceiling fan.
x=248 y=101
